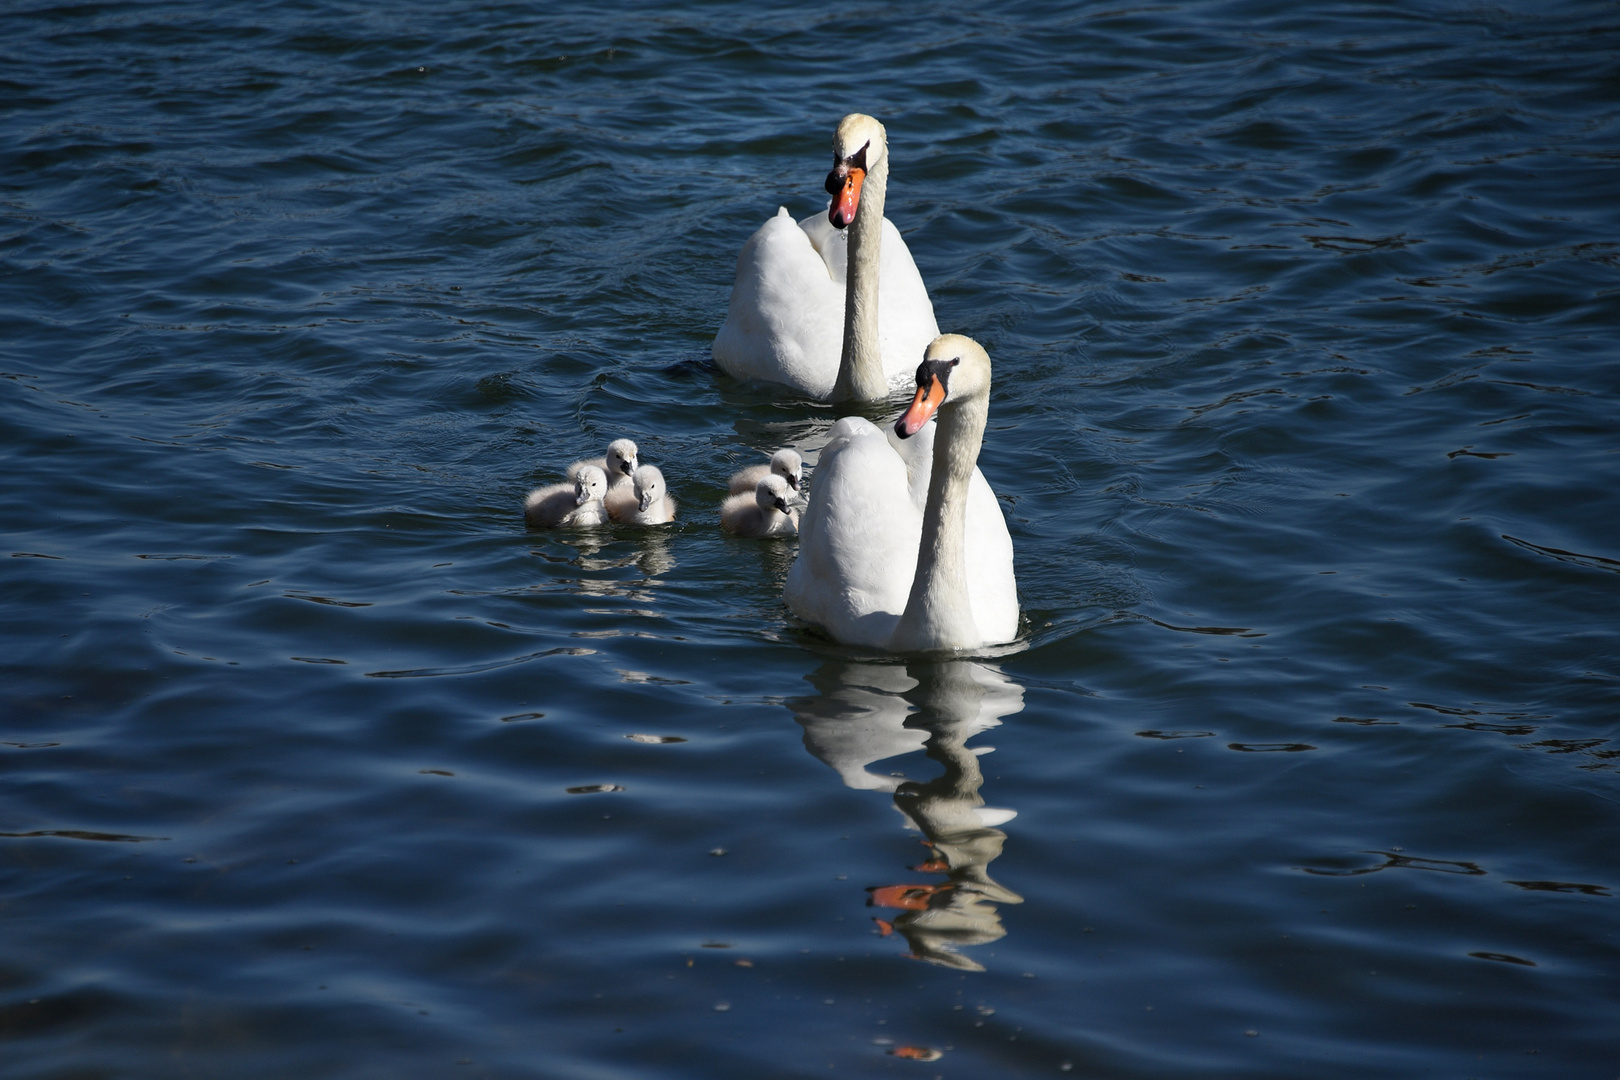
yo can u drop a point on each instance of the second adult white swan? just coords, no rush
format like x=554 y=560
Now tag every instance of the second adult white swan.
x=832 y=306
x=881 y=563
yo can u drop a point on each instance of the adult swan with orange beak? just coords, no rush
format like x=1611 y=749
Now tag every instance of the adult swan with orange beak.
x=832 y=306
x=903 y=546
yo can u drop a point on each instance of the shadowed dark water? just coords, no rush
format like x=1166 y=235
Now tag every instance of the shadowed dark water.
x=1306 y=422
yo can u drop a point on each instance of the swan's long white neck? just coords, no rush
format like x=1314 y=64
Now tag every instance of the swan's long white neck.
x=938 y=613
x=860 y=367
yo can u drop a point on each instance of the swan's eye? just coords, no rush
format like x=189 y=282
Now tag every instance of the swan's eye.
x=842 y=168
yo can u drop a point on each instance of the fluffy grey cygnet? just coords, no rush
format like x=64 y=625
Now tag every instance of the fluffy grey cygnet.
x=784 y=463
x=768 y=511
x=619 y=464
x=645 y=502
x=577 y=504
x=590 y=489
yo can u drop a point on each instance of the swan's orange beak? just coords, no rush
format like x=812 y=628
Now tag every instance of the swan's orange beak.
x=922 y=407
x=846 y=199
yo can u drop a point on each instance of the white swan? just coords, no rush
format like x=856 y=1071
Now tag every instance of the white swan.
x=784 y=463
x=645 y=502
x=834 y=314
x=577 y=504
x=877 y=565
x=618 y=464
x=766 y=511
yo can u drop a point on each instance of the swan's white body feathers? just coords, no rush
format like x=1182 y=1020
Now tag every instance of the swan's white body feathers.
x=785 y=323
x=859 y=538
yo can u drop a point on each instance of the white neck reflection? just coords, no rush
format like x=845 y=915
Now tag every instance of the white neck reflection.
x=867 y=714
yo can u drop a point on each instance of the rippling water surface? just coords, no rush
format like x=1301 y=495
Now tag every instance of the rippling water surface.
x=1305 y=423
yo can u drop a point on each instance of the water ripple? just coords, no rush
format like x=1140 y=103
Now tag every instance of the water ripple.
x=1303 y=421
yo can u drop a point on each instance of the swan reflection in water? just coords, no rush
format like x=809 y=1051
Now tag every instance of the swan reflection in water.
x=602 y=564
x=868 y=713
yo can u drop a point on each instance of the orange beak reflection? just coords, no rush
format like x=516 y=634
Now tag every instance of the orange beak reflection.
x=922 y=407
x=907 y=897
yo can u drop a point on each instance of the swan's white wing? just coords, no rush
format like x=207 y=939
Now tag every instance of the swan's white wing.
x=905 y=314
x=786 y=319
x=833 y=247
x=858 y=538
x=917 y=453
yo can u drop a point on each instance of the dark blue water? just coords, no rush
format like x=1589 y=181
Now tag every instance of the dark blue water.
x=1306 y=423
